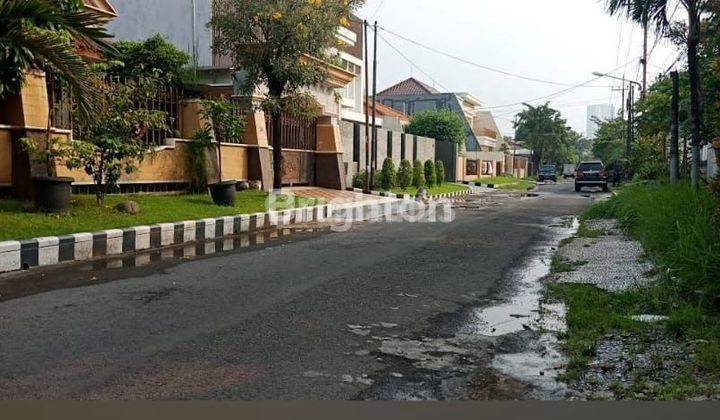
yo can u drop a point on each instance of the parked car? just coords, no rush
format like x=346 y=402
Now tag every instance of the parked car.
x=547 y=173
x=569 y=171
x=592 y=174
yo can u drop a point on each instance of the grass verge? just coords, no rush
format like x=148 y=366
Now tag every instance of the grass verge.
x=436 y=190
x=678 y=230
x=85 y=216
x=508 y=183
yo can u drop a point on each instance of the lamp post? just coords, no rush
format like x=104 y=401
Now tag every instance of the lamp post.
x=630 y=107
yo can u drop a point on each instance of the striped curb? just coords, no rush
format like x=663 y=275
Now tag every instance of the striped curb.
x=47 y=251
x=479 y=184
x=410 y=196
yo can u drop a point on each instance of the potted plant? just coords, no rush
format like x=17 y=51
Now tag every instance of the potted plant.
x=221 y=124
x=52 y=193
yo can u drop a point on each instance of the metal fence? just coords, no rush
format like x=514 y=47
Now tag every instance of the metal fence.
x=167 y=100
x=296 y=134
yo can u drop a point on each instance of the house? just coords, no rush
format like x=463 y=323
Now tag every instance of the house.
x=481 y=154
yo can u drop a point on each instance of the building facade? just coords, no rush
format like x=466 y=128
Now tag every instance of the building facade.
x=600 y=112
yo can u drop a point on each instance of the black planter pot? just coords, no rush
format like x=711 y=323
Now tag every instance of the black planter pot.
x=52 y=194
x=223 y=193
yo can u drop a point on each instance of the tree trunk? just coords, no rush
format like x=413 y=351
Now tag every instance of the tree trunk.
x=675 y=129
x=694 y=73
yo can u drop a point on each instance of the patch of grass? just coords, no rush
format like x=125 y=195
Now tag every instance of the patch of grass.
x=585 y=232
x=591 y=314
x=561 y=265
x=86 y=216
x=446 y=188
x=508 y=183
x=675 y=225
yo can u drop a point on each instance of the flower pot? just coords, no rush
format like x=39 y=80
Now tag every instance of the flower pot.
x=223 y=193
x=52 y=194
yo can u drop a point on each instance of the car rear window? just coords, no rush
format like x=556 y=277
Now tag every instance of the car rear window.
x=587 y=167
x=549 y=168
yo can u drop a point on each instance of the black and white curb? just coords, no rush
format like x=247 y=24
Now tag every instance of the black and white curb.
x=42 y=252
x=410 y=196
x=480 y=184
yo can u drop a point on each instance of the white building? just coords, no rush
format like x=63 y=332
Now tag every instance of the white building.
x=601 y=112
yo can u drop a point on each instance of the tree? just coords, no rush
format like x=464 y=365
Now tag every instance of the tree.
x=110 y=143
x=405 y=175
x=609 y=145
x=418 y=175
x=430 y=176
x=441 y=125
x=656 y=11
x=543 y=130
x=283 y=45
x=41 y=33
x=154 y=56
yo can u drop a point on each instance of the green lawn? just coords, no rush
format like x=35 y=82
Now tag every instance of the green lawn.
x=85 y=216
x=436 y=190
x=508 y=183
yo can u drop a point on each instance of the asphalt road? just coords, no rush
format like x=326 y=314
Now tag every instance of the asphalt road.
x=270 y=322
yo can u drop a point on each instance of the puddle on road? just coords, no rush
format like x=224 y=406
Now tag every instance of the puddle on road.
x=515 y=338
x=108 y=269
x=526 y=309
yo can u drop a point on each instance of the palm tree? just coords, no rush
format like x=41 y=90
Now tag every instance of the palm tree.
x=41 y=33
x=656 y=11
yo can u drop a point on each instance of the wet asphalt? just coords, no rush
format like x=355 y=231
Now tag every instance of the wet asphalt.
x=273 y=321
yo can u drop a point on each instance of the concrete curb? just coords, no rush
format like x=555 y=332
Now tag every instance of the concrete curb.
x=43 y=252
x=479 y=184
x=410 y=196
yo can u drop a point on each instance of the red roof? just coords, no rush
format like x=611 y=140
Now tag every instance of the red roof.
x=386 y=111
x=409 y=87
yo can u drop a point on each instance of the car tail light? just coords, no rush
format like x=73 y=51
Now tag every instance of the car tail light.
x=603 y=173
x=579 y=174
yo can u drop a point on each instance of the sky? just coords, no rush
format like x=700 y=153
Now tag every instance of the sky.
x=559 y=41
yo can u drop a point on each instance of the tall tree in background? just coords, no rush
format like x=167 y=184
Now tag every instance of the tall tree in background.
x=657 y=12
x=41 y=33
x=543 y=130
x=282 y=45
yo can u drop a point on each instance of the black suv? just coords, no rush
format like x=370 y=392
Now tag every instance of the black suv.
x=592 y=174
x=547 y=173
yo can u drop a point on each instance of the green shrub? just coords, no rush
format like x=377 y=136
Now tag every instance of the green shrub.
x=360 y=180
x=440 y=172
x=388 y=176
x=430 y=176
x=418 y=175
x=405 y=175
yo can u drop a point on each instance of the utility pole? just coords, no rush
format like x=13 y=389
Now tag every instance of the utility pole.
x=675 y=128
x=622 y=102
x=630 y=121
x=374 y=115
x=367 y=108
x=645 y=55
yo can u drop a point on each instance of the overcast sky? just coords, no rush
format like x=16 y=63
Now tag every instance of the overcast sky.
x=556 y=40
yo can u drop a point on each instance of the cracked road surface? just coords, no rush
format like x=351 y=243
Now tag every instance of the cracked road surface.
x=308 y=316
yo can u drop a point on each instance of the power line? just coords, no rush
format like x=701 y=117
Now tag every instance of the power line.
x=412 y=63
x=484 y=67
x=559 y=93
x=382 y=2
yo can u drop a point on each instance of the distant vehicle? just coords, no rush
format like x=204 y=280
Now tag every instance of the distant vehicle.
x=569 y=171
x=547 y=173
x=592 y=174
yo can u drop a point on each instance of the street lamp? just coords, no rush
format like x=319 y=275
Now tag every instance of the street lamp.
x=630 y=106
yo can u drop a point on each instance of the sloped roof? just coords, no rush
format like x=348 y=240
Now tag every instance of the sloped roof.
x=409 y=87
x=386 y=111
x=484 y=123
x=102 y=6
